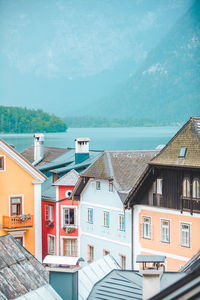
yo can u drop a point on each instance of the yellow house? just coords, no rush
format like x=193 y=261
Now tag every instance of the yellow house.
x=20 y=199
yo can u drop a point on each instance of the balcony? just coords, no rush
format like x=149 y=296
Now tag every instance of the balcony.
x=14 y=222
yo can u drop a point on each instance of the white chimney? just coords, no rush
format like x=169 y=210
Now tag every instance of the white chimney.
x=151 y=274
x=38 y=147
x=82 y=145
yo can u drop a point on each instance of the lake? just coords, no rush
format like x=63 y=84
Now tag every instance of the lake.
x=131 y=138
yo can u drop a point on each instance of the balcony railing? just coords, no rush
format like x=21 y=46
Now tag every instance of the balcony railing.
x=15 y=222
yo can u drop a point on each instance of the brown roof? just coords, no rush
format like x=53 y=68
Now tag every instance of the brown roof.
x=50 y=153
x=188 y=136
x=124 y=167
x=20 y=271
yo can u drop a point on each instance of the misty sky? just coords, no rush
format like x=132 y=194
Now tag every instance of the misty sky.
x=57 y=53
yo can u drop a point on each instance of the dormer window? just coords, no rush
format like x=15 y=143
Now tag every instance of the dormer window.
x=182 y=152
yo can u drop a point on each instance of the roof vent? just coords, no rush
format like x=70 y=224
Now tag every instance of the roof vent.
x=182 y=152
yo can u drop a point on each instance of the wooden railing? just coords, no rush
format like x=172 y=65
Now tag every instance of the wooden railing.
x=14 y=222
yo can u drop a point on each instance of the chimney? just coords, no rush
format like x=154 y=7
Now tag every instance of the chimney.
x=81 y=149
x=151 y=274
x=38 y=147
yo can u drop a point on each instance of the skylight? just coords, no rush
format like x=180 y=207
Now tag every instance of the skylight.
x=183 y=151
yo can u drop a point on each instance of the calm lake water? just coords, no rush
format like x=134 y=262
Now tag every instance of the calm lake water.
x=131 y=138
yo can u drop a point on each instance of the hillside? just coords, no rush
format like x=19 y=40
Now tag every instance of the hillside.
x=23 y=120
x=167 y=85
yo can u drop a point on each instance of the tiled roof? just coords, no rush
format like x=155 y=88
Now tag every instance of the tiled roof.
x=122 y=284
x=189 y=137
x=20 y=272
x=50 y=153
x=69 y=179
x=124 y=167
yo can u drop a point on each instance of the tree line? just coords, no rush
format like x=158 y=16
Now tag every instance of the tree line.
x=23 y=120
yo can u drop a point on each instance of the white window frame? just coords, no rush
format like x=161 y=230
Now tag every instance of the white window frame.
x=122 y=261
x=4 y=163
x=186 y=189
x=164 y=229
x=89 y=259
x=51 y=212
x=195 y=188
x=121 y=224
x=144 y=235
x=106 y=219
x=185 y=242
x=63 y=207
x=48 y=243
x=98 y=185
x=69 y=238
x=90 y=215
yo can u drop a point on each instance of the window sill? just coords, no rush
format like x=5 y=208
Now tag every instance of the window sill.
x=147 y=238
x=165 y=242
x=183 y=246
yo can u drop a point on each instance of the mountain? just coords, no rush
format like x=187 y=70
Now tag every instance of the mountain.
x=167 y=85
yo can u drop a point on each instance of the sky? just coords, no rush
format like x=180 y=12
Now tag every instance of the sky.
x=60 y=54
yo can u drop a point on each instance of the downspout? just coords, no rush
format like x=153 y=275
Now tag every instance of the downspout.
x=132 y=238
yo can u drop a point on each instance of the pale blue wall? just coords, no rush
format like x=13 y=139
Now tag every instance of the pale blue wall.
x=112 y=239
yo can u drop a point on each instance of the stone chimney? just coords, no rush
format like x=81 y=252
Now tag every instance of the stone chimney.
x=81 y=149
x=38 y=147
x=152 y=269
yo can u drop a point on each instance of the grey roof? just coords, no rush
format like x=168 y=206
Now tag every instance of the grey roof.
x=69 y=179
x=50 y=153
x=192 y=264
x=123 y=167
x=20 y=272
x=42 y=293
x=150 y=258
x=126 y=285
x=93 y=272
x=48 y=190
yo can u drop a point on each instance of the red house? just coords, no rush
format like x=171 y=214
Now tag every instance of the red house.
x=60 y=218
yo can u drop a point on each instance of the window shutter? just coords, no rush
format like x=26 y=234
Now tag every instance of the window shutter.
x=46 y=214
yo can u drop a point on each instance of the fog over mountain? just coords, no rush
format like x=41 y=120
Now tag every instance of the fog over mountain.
x=66 y=56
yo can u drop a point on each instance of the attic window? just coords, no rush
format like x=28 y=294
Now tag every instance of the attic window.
x=183 y=151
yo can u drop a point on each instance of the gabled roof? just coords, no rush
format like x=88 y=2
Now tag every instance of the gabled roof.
x=126 y=285
x=50 y=153
x=20 y=272
x=124 y=167
x=189 y=137
x=21 y=161
x=69 y=179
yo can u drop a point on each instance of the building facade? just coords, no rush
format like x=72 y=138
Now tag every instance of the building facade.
x=166 y=201
x=20 y=213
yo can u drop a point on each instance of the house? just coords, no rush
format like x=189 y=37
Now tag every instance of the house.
x=20 y=213
x=57 y=210
x=22 y=276
x=165 y=201
x=60 y=219
x=105 y=228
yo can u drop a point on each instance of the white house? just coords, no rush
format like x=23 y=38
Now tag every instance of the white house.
x=105 y=228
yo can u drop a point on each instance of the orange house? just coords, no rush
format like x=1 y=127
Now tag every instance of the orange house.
x=166 y=201
x=20 y=197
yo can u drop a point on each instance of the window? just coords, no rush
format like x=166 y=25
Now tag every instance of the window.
x=69 y=247
x=182 y=152
x=69 y=216
x=51 y=213
x=122 y=222
x=158 y=185
x=186 y=187
x=19 y=239
x=90 y=253
x=2 y=163
x=110 y=188
x=122 y=261
x=51 y=244
x=165 y=231
x=195 y=188
x=16 y=206
x=105 y=252
x=90 y=215
x=185 y=235
x=106 y=219
x=146 y=227
x=98 y=185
